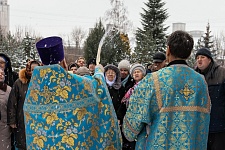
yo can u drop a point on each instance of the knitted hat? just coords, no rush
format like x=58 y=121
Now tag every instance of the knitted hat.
x=125 y=64
x=137 y=66
x=159 y=57
x=83 y=71
x=91 y=61
x=204 y=52
x=50 y=50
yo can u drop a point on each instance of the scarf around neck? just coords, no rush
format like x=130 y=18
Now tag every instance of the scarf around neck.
x=110 y=83
x=125 y=81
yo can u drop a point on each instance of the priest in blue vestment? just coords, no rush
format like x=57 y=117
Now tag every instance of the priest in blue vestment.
x=64 y=111
x=169 y=109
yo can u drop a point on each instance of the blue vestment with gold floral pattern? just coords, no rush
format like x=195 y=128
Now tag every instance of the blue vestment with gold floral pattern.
x=169 y=109
x=64 y=111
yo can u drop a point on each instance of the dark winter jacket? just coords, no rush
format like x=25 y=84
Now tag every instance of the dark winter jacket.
x=114 y=90
x=123 y=90
x=125 y=87
x=121 y=111
x=10 y=76
x=15 y=108
x=215 y=78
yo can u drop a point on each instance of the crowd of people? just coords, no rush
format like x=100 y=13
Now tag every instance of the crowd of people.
x=165 y=105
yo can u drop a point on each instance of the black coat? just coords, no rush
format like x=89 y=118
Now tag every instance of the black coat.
x=116 y=98
x=15 y=108
x=123 y=90
x=129 y=84
x=121 y=111
x=114 y=90
x=215 y=78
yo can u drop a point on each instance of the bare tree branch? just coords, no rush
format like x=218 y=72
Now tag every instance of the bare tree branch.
x=78 y=35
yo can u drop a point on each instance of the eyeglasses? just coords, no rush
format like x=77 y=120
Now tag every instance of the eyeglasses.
x=2 y=62
x=110 y=73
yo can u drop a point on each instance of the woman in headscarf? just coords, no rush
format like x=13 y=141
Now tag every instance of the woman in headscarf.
x=10 y=76
x=5 y=131
x=113 y=81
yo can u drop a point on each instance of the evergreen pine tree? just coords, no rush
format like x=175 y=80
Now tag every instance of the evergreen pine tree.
x=207 y=41
x=91 y=43
x=115 y=46
x=152 y=37
x=28 y=44
x=18 y=50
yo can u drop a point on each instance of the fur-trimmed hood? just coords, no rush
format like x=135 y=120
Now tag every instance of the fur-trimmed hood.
x=22 y=76
x=117 y=83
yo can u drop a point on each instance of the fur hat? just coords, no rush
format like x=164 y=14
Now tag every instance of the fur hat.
x=125 y=64
x=204 y=52
x=50 y=50
x=83 y=71
x=137 y=66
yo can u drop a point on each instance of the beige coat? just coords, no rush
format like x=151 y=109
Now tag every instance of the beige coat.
x=5 y=132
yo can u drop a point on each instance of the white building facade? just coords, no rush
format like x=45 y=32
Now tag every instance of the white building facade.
x=4 y=16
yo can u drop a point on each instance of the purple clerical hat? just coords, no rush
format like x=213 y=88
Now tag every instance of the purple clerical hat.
x=50 y=50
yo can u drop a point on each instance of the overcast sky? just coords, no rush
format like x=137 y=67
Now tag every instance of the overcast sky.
x=59 y=17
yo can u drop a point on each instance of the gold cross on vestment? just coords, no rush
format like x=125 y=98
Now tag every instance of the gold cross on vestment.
x=186 y=91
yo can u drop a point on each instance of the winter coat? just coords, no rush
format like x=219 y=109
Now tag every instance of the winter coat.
x=215 y=78
x=127 y=85
x=117 y=91
x=114 y=90
x=123 y=90
x=5 y=131
x=15 y=108
x=121 y=113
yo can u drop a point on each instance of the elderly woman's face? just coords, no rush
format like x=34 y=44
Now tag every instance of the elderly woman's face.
x=138 y=75
x=110 y=74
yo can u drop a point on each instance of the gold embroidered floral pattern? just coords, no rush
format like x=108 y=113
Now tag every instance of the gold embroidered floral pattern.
x=63 y=91
x=50 y=117
x=39 y=140
x=80 y=112
x=63 y=112
x=94 y=131
x=34 y=95
x=68 y=137
x=110 y=148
